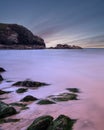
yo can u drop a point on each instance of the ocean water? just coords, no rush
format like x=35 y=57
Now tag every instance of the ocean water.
x=82 y=69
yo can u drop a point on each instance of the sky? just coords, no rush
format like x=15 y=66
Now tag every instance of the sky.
x=73 y=22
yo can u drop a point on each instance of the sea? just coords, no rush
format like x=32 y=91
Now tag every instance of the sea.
x=67 y=68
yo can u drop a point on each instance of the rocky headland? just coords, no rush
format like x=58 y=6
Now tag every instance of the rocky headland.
x=13 y=36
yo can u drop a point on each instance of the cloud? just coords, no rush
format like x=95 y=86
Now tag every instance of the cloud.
x=95 y=41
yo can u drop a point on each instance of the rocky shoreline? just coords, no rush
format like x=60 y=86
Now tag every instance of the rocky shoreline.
x=14 y=36
x=43 y=122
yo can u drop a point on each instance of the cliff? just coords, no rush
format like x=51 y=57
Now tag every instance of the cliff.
x=13 y=36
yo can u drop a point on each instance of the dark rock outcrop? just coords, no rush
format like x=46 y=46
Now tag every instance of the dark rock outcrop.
x=30 y=84
x=45 y=102
x=63 y=97
x=41 y=123
x=9 y=120
x=13 y=36
x=6 y=110
x=21 y=90
x=65 y=46
x=28 y=98
x=3 y=92
x=47 y=123
x=2 y=69
x=62 y=123
x=74 y=90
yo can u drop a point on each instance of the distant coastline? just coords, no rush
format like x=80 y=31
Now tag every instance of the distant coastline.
x=13 y=36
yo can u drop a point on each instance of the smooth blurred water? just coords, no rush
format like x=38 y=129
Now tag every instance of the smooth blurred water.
x=83 y=69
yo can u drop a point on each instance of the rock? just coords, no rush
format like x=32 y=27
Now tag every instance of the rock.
x=65 y=46
x=74 y=90
x=8 y=120
x=41 y=123
x=1 y=78
x=18 y=104
x=45 y=102
x=21 y=90
x=3 y=92
x=2 y=69
x=64 y=97
x=13 y=36
x=28 y=98
x=30 y=84
x=6 y=110
x=62 y=123
x=21 y=105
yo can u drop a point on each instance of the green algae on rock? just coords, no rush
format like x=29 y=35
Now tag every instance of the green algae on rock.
x=45 y=102
x=41 y=123
x=6 y=110
x=30 y=84
x=74 y=90
x=28 y=98
x=21 y=105
x=8 y=120
x=3 y=92
x=21 y=90
x=62 y=123
x=47 y=123
x=64 y=97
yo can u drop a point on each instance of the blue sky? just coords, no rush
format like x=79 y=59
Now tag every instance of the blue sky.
x=78 y=22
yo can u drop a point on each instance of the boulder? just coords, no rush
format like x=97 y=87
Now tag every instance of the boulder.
x=41 y=123
x=62 y=123
x=45 y=102
x=30 y=84
x=63 y=97
x=21 y=90
x=3 y=92
x=6 y=110
x=2 y=69
x=28 y=98
x=74 y=90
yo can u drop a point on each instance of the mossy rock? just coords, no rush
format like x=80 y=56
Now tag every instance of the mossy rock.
x=18 y=104
x=45 y=102
x=21 y=105
x=41 y=123
x=3 y=92
x=21 y=90
x=74 y=90
x=1 y=78
x=28 y=98
x=2 y=69
x=6 y=110
x=24 y=108
x=30 y=84
x=8 y=120
x=62 y=123
x=64 y=97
